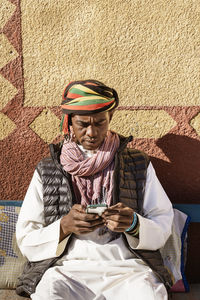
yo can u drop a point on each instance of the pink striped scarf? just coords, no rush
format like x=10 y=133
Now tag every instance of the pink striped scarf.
x=92 y=175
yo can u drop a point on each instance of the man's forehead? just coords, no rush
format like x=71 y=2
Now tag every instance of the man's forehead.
x=86 y=117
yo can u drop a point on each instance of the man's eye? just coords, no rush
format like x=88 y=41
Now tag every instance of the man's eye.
x=82 y=125
x=100 y=123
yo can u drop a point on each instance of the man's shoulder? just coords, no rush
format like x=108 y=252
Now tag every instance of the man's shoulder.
x=136 y=155
x=44 y=164
x=45 y=160
x=54 y=156
x=136 y=152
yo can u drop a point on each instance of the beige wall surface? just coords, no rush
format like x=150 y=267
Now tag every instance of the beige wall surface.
x=149 y=51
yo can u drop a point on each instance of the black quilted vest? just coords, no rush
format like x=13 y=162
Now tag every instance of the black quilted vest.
x=129 y=185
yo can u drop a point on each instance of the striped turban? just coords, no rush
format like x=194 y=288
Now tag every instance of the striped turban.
x=86 y=97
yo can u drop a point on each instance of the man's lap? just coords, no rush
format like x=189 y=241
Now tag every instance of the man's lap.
x=58 y=283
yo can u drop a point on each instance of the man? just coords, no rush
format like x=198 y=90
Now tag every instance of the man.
x=74 y=254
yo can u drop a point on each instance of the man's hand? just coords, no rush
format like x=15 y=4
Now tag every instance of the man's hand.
x=118 y=217
x=79 y=222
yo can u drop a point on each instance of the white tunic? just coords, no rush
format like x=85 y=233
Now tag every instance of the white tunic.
x=95 y=267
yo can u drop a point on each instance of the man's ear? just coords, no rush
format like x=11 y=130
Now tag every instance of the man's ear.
x=111 y=113
x=71 y=129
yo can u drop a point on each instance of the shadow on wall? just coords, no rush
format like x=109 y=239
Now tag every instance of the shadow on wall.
x=180 y=176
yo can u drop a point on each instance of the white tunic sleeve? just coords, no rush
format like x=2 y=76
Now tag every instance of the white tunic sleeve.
x=36 y=241
x=156 y=223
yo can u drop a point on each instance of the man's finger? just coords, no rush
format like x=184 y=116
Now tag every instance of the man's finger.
x=119 y=218
x=126 y=211
x=115 y=226
x=118 y=205
x=89 y=217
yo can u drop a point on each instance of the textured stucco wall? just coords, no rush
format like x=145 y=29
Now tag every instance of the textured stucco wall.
x=149 y=51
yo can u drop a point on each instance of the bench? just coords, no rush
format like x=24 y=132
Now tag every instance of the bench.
x=12 y=261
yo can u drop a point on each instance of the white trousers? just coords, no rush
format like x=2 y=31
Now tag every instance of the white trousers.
x=92 y=271
x=99 y=282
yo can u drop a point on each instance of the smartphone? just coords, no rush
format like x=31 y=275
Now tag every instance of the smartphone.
x=96 y=208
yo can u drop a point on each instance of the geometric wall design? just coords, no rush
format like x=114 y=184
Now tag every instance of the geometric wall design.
x=8 y=91
x=6 y=126
x=6 y=11
x=8 y=52
x=46 y=125
x=149 y=51
x=195 y=123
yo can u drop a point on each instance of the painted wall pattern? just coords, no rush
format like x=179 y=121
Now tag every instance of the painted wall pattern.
x=149 y=51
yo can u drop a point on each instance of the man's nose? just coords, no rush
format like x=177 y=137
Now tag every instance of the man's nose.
x=91 y=131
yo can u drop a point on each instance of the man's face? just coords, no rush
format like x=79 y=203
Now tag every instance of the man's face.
x=90 y=130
